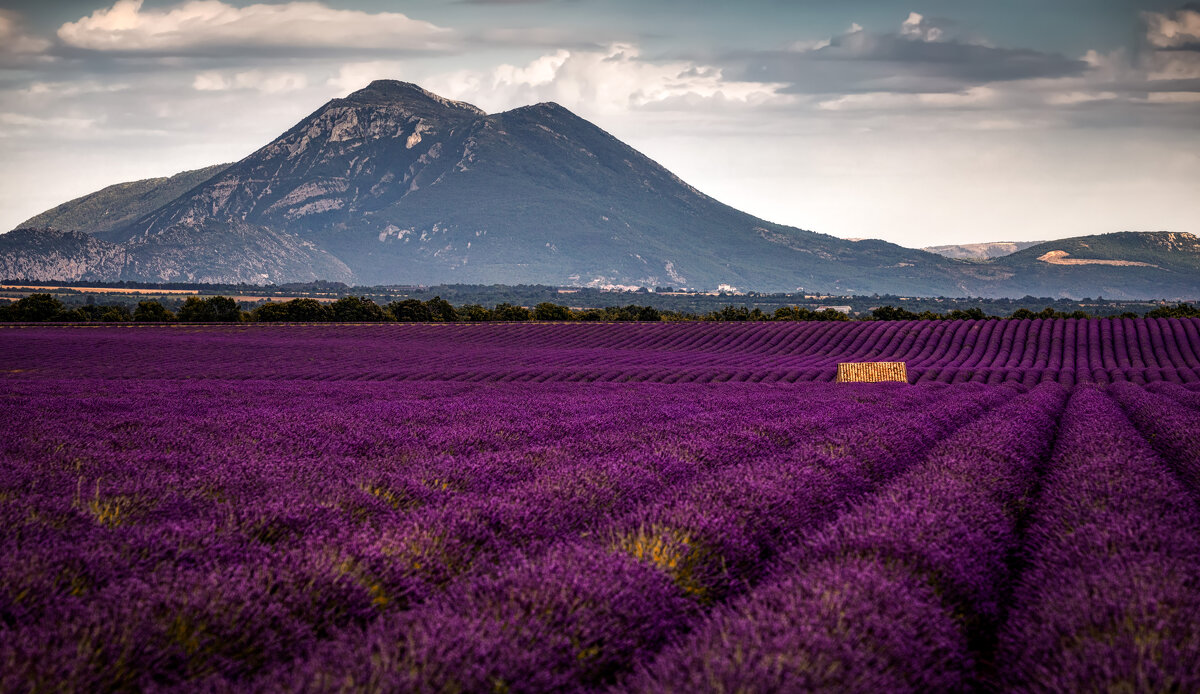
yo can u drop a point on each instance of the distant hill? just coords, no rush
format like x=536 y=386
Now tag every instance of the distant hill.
x=121 y=204
x=395 y=185
x=981 y=251
x=1120 y=265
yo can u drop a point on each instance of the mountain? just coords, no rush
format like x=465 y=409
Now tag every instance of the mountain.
x=395 y=185
x=981 y=251
x=1122 y=265
x=121 y=204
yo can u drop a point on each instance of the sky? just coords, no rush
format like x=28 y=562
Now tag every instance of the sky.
x=921 y=122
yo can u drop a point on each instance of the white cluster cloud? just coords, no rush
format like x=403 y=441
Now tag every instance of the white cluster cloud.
x=268 y=82
x=207 y=26
x=921 y=29
x=615 y=79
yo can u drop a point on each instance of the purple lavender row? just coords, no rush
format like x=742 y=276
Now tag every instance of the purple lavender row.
x=304 y=520
x=432 y=546
x=1102 y=350
x=713 y=538
x=417 y=556
x=1109 y=600
x=885 y=599
x=97 y=504
x=587 y=609
x=1172 y=428
x=1180 y=394
x=273 y=495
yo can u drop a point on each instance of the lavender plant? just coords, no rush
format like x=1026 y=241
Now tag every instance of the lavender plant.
x=1109 y=600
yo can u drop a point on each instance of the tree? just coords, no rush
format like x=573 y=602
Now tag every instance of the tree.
x=270 y=312
x=224 y=309
x=549 y=311
x=1177 y=311
x=736 y=313
x=353 y=309
x=474 y=313
x=195 y=310
x=967 y=314
x=410 y=311
x=116 y=314
x=35 y=308
x=307 y=311
x=440 y=310
x=294 y=311
x=892 y=313
x=218 y=309
x=508 y=312
x=649 y=314
x=150 y=310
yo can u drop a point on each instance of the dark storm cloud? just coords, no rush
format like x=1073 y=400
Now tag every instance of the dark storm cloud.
x=913 y=61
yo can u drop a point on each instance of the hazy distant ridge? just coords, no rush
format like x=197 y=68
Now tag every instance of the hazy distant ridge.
x=981 y=251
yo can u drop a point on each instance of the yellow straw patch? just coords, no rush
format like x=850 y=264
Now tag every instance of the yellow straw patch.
x=674 y=552
x=872 y=372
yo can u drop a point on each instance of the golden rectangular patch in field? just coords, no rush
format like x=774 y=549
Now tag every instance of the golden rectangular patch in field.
x=872 y=372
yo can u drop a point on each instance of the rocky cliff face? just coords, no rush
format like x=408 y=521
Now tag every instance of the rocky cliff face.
x=49 y=255
x=351 y=156
x=237 y=253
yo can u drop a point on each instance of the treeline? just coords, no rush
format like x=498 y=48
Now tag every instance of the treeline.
x=353 y=309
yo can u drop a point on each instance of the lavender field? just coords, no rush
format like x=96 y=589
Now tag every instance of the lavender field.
x=578 y=507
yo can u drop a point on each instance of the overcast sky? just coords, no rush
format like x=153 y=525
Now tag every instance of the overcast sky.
x=917 y=121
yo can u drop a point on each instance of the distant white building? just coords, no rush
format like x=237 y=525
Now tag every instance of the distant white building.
x=839 y=309
x=727 y=288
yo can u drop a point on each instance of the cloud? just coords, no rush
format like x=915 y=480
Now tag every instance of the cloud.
x=1173 y=41
x=613 y=80
x=13 y=38
x=921 y=29
x=1179 y=29
x=21 y=125
x=267 y=82
x=974 y=98
x=70 y=89
x=213 y=27
x=923 y=55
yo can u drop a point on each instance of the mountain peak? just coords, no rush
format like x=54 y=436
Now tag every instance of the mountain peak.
x=381 y=92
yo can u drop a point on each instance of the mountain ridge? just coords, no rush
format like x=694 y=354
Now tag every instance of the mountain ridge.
x=395 y=185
